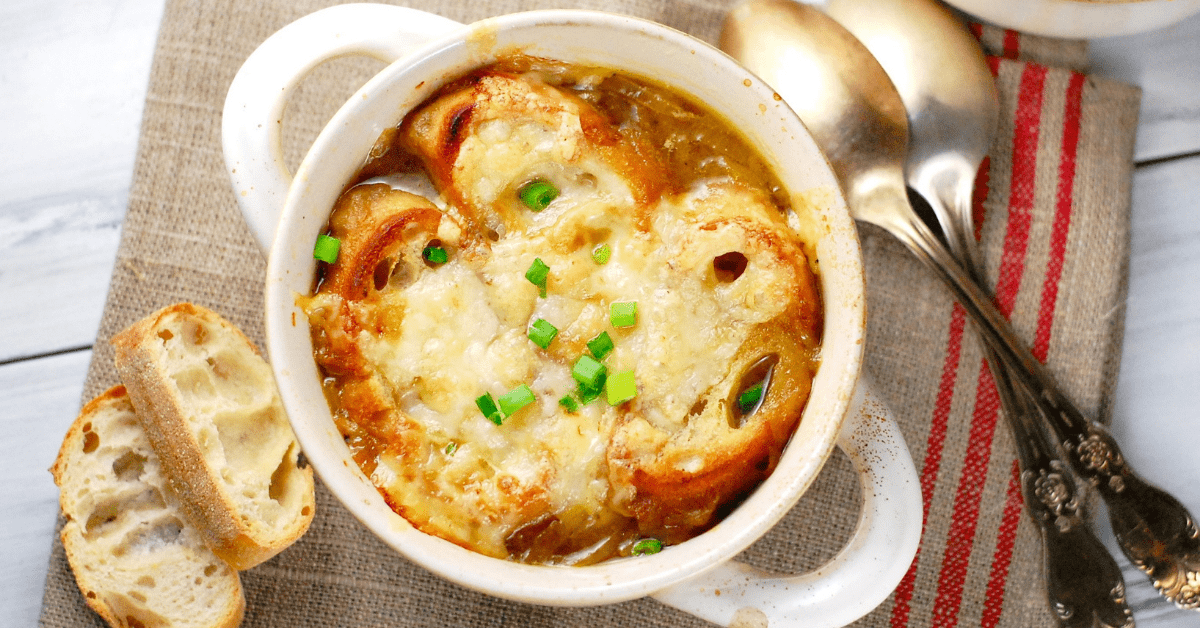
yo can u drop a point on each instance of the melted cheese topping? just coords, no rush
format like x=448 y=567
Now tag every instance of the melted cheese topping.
x=424 y=349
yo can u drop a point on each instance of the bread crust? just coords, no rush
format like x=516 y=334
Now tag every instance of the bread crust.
x=175 y=430
x=120 y=586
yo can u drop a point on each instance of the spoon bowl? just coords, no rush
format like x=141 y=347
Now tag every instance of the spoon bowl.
x=860 y=123
x=948 y=92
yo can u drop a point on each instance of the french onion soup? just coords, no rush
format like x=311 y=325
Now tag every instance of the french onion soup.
x=595 y=339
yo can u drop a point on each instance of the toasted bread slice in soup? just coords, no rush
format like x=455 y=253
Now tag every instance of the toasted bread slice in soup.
x=726 y=298
x=211 y=410
x=136 y=559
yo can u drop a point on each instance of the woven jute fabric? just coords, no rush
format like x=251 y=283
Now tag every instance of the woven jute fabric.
x=1053 y=202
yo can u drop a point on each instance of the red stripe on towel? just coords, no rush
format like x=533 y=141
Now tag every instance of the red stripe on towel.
x=933 y=455
x=1012 y=44
x=1021 y=197
x=983 y=180
x=961 y=536
x=1062 y=215
x=1006 y=540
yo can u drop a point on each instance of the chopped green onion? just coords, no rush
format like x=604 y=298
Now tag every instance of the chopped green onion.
x=645 y=547
x=451 y=448
x=601 y=345
x=589 y=372
x=588 y=394
x=601 y=254
x=537 y=274
x=516 y=399
x=569 y=403
x=435 y=254
x=326 y=249
x=621 y=387
x=537 y=194
x=487 y=406
x=623 y=314
x=748 y=399
x=542 y=332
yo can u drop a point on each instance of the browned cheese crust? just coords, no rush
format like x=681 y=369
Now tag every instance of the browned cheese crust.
x=725 y=297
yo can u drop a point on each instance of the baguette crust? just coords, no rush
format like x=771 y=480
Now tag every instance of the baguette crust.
x=209 y=405
x=136 y=561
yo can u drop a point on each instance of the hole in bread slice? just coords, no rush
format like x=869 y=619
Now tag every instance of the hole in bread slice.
x=129 y=466
x=729 y=266
x=152 y=536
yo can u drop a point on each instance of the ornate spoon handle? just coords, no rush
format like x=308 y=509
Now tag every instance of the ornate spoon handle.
x=1084 y=583
x=1154 y=530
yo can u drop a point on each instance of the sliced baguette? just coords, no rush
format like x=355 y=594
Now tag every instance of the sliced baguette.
x=136 y=560
x=211 y=410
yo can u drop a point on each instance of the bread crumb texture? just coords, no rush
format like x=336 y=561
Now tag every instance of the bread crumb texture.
x=210 y=407
x=136 y=560
x=235 y=414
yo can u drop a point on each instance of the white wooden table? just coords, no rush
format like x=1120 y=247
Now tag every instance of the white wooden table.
x=73 y=78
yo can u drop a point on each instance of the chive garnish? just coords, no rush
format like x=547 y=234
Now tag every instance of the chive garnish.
x=601 y=345
x=435 y=254
x=569 y=403
x=326 y=249
x=537 y=274
x=589 y=372
x=601 y=254
x=487 y=405
x=623 y=314
x=451 y=448
x=588 y=394
x=748 y=399
x=537 y=194
x=516 y=399
x=645 y=547
x=542 y=332
x=621 y=387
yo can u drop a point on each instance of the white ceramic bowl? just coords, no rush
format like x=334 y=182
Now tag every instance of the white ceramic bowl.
x=287 y=213
x=1080 y=19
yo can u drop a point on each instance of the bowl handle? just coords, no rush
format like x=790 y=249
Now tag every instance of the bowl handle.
x=861 y=576
x=252 y=121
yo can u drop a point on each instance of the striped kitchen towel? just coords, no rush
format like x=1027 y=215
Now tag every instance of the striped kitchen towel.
x=1051 y=209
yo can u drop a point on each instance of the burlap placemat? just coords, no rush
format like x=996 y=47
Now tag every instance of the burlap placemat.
x=1054 y=202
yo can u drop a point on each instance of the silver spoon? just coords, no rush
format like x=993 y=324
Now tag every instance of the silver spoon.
x=952 y=106
x=849 y=104
x=1153 y=529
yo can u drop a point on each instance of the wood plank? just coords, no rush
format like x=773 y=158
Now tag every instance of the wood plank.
x=41 y=399
x=56 y=271
x=1157 y=394
x=70 y=123
x=1166 y=64
x=1159 y=370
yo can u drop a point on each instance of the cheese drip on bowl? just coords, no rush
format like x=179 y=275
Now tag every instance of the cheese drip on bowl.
x=694 y=228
